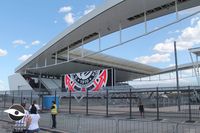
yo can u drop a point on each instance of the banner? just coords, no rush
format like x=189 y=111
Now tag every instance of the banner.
x=90 y=80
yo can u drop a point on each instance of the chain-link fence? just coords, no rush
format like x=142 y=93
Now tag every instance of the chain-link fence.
x=159 y=103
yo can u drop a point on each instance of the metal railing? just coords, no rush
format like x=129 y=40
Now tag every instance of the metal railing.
x=90 y=124
x=85 y=124
x=159 y=103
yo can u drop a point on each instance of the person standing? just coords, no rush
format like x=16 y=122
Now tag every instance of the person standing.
x=32 y=120
x=141 y=108
x=54 y=112
x=24 y=101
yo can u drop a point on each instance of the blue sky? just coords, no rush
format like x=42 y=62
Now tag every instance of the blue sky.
x=27 y=25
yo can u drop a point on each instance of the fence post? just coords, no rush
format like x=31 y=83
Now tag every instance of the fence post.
x=13 y=98
x=70 y=104
x=157 y=105
x=189 y=106
x=78 y=124
x=55 y=96
x=21 y=96
x=4 y=99
x=31 y=97
x=177 y=125
x=130 y=105
x=117 y=125
x=86 y=101
x=42 y=101
x=106 y=102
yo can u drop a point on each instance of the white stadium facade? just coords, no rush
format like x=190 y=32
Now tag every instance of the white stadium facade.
x=64 y=64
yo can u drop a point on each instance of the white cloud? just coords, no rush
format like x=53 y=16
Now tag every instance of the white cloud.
x=27 y=46
x=36 y=42
x=55 y=21
x=65 y=9
x=3 y=52
x=172 y=32
x=89 y=8
x=188 y=38
x=153 y=58
x=33 y=43
x=171 y=65
x=69 y=19
x=19 y=42
x=24 y=57
x=194 y=20
x=186 y=73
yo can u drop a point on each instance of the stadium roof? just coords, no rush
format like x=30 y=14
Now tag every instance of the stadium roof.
x=195 y=51
x=125 y=70
x=180 y=67
x=101 y=22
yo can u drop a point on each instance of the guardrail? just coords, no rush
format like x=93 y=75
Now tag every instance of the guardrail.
x=91 y=124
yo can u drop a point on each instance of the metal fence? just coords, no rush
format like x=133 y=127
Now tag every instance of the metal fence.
x=97 y=124
x=159 y=103
x=88 y=124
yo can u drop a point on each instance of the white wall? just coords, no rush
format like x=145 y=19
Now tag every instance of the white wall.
x=17 y=82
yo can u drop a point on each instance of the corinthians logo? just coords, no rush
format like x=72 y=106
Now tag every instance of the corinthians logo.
x=91 y=80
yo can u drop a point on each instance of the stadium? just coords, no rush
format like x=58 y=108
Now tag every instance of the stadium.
x=65 y=54
x=91 y=82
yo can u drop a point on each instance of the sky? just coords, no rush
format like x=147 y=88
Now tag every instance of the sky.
x=28 y=25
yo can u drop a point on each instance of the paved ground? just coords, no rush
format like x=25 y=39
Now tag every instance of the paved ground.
x=5 y=127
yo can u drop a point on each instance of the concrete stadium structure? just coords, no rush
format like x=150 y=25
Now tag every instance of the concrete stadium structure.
x=65 y=54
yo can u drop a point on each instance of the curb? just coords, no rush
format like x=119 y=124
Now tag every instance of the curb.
x=52 y=130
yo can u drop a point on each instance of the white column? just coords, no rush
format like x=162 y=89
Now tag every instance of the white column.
x=197 y=65
x=145 y=22
x=45 y=62
x=176 y=8
x=99 y=41
x=56 y=58
x=68 y=53
x=82 y=54
x=120 y=33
